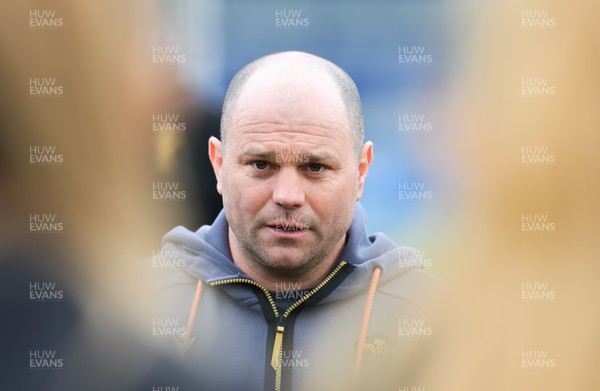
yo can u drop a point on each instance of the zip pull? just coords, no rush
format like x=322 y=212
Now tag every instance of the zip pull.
x=277 y=347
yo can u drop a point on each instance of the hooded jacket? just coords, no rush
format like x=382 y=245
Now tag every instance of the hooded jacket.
x=365 y=326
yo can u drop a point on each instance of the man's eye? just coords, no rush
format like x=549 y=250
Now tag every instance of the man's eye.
x=260 y=165
x=315 y=167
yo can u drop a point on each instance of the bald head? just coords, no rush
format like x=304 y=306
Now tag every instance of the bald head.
x=291 y=76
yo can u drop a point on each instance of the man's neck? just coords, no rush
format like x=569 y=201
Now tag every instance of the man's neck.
x=281 y=281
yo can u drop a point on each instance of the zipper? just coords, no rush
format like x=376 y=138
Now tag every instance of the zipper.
x=280 y=330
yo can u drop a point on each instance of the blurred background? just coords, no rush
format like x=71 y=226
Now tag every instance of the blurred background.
x=485 y=122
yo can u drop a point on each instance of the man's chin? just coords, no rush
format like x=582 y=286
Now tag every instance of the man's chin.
x=286 y=263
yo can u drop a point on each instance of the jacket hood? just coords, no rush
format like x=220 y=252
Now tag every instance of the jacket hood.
x=208 y=257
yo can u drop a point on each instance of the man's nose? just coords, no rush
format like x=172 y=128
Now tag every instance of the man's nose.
x=288 y=189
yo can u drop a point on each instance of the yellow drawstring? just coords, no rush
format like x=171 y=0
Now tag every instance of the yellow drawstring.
x=187 y=341
x=365 y=321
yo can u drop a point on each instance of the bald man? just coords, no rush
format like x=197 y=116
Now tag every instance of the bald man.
x=285 y=290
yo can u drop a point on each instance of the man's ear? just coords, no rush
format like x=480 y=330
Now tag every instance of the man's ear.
x=216 y=159
x=366 y=156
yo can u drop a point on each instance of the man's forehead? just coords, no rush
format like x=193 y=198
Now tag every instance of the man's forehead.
x=277 y=128
x=289 y=102
x=264 y=139
x=287 y=87
x=290 y=106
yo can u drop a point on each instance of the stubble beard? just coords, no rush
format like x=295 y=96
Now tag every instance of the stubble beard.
x=257 y=252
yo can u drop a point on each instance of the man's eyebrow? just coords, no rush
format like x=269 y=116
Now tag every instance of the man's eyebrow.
x=258 y=153
x=321 y=156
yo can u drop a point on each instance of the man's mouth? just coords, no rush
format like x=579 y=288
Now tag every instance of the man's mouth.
x=288 y=226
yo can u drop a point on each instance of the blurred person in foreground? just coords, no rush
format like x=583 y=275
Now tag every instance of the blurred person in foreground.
x=67 y=323
x=286 y=290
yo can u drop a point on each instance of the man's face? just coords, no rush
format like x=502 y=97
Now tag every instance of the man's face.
x=289 y=175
